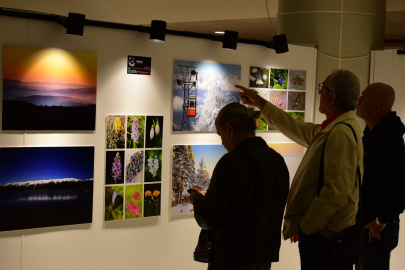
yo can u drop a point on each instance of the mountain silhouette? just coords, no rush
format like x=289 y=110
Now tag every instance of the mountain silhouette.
x=53 y=101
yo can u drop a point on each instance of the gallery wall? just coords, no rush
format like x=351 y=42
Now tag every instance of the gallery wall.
x=163 y=242
x=389 y=67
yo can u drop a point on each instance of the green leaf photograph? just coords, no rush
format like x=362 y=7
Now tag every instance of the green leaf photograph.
x=278 y=78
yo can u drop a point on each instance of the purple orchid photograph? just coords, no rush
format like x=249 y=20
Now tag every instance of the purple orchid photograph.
x=135 y=131
x=134 y=160
x=114 y=169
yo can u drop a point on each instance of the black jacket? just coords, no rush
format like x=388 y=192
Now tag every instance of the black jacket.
x=384 y=170
x=242 y=225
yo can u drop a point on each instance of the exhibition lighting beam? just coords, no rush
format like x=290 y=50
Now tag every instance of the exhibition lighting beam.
x=230 y=40
x=75 y=24
x=280 y=47
x=158 y=31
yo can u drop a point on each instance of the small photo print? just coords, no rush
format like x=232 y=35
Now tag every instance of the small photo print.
x=264 y=93
x=154 y=132
x=152 y=200
x=135 y=131
x=114 y=167
x=278 y=78
x=133 y=201
x=134 y=160
x=297 y=79
x=259 y=77
x=115 y=138
x=279 y=98
x=114 y=203
x=153 y=165
x=300 y=116
x=296 y=101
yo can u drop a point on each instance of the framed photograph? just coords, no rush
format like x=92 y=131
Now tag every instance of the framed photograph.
x=198 y=161
x=200 y=91
x=49 y=89
x=259 y=77
x=45 y=186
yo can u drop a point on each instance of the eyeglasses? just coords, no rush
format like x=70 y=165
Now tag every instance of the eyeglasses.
x=320 y=86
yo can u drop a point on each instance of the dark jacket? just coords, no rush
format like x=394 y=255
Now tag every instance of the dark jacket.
x=229 y=208
x=384 y=170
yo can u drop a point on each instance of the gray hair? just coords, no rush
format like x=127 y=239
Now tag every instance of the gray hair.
x=239 y=116
x=347 y=87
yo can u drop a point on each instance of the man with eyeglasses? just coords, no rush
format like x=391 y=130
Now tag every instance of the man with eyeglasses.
x=384 y=175
x=316 y=217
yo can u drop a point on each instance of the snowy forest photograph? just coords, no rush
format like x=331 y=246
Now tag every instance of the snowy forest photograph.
x=200 y=90
x=192 y=167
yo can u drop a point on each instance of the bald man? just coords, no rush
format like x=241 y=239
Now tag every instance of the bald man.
x=384 y=175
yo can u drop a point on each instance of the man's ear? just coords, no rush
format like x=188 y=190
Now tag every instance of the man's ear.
x=332 y=98
x=229 y=129
x=376 y=109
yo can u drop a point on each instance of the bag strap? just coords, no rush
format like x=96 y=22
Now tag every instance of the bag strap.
x=321 y=178
x=258 y=191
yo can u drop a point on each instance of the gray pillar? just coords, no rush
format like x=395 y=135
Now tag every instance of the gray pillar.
x=343 y=31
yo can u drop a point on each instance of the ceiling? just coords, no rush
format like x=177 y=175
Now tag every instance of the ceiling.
x=248 y=17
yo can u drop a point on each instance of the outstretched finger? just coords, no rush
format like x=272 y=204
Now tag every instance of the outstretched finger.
x=244 y=89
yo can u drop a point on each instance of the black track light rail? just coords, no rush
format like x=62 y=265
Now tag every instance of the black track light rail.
x=139 y=28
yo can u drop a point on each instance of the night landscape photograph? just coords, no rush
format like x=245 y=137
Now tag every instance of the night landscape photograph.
x=45 y=186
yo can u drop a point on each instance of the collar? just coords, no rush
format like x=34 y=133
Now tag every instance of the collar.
x=380 y=125
x=252 y=142
x=350 y=115
x=328 y=121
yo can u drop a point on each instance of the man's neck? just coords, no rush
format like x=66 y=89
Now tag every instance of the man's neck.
x=240 y=138
x=334 y=111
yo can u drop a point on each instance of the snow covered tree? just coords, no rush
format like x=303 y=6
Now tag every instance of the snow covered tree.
x=214 y=101
x=202 y=176
x=183 y=171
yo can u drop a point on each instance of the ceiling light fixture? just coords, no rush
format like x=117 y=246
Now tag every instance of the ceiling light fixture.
x=280 y=44
x=158 y=31
x=230 y=40
x=219 y=32
x=75 y=24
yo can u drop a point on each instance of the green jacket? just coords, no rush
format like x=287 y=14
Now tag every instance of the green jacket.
x=336 y=206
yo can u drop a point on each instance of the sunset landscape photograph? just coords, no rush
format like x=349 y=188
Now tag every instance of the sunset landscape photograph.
x=48 y=89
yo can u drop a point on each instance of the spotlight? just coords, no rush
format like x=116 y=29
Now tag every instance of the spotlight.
x=230 y=40
x=158 y=31
x=75 y=24
x=280 y=43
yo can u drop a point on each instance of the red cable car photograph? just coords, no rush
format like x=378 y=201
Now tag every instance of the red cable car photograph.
x=192 y=104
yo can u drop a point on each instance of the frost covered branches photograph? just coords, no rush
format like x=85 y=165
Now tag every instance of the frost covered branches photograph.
x=207 y=88
x=192 y=167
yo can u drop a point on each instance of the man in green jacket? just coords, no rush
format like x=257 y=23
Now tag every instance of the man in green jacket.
x=315 y=218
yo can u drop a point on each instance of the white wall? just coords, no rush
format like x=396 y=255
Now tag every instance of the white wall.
x=389 y=67
x=150 y=243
